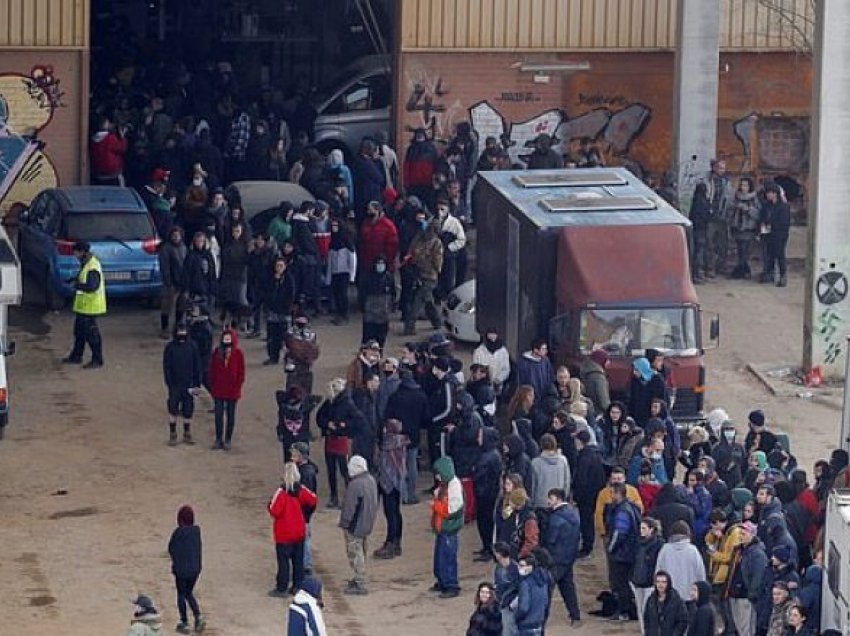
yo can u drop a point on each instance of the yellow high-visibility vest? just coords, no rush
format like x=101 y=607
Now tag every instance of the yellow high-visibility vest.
x=90 y=303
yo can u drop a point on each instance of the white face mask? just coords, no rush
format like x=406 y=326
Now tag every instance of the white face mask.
x=655 y=456
x=729 y=435
x=196 y=181
x=524 y=570
x=380 y=268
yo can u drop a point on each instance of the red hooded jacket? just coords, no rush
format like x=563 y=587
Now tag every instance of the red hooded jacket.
x=107 y=154
x=377 y=239
x=290 y=525
x=227 y=375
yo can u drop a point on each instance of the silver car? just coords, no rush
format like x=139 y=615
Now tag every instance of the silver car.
x=355 y=105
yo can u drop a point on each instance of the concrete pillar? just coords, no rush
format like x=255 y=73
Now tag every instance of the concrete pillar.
x=695 y=107
x=827 y=317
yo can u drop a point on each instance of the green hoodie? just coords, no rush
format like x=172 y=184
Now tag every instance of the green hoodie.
x=447 y=507
x=445 y=468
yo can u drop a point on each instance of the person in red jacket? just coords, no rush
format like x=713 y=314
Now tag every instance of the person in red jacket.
x=289 y=507
x=227 y=375
x=107 y=154
x=420 y=162
x=378 y=238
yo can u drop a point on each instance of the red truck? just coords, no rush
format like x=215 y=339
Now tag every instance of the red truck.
x=590 y=258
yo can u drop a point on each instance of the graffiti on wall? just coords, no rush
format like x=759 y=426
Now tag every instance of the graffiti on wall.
x=429 y=98
x=611 y=131
x=27 y=104
x=831 y=288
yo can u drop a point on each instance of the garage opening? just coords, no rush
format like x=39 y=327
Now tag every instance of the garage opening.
x=236 y=89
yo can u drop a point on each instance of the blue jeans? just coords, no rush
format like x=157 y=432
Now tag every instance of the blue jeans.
x=508 y=623
x=445 y=561
x=308 y=552
x=412 y=474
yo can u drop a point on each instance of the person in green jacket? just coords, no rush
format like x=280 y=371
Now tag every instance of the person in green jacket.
x=279 y=229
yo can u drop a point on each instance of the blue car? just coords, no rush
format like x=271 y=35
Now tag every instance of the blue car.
x=113 y=220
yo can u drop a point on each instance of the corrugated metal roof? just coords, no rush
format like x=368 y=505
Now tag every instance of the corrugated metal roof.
x=529 y=199
x=571 y=25
x=44 y=23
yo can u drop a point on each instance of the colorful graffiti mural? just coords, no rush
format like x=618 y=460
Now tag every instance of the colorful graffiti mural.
x=27 y=104
x=612 y=131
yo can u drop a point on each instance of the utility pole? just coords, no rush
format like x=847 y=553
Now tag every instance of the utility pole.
x=697 y=80
x=827 y=316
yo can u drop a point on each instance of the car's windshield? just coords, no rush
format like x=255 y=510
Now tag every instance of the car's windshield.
x=328 y=88
x=109 y=226
x=631 y=331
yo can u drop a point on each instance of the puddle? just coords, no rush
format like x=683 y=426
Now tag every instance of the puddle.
x=30 y=319
x=76 y=512
x=41 y=601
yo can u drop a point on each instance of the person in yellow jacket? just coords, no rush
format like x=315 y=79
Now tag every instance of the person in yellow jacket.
x=721 y=542
x=89 y=303
x=618 y=476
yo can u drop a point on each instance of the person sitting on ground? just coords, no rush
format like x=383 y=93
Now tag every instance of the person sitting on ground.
x=146 y=619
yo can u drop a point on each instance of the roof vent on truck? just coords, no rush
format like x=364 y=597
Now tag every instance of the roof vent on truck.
x=597 y=204
x=569 y=179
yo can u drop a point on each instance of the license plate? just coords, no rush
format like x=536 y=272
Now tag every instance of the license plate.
x=117 y=275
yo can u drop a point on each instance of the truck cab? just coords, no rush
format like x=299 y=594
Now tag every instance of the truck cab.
x=622 y=289
x=591 y=259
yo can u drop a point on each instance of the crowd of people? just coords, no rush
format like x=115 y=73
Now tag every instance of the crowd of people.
x=729 y=221
x=714 y=527
x=542 y=460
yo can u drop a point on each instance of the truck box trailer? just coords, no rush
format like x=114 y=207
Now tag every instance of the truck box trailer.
x=590 y=258
x=835 y=592
x=11 y=292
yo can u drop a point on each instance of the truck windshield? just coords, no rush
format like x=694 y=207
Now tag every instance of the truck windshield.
x=631 y=331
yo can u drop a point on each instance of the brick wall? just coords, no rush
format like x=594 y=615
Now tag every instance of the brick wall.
x=625 y=101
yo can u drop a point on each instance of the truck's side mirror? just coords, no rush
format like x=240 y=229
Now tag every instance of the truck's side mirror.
x=713 y=340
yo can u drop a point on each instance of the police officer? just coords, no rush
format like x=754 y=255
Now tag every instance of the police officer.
x=89 y=303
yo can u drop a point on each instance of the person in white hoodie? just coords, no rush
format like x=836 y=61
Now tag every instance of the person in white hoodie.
x=715 y=422
x=454 y=253
x=681 y=559
x=493 y=354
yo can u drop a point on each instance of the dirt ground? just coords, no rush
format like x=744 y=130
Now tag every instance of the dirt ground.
x=90 y=490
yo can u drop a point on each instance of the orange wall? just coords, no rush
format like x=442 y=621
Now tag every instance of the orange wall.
x=46 y=94
x=763 y=84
